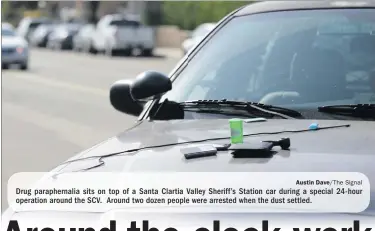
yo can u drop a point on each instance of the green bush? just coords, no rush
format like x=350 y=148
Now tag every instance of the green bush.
x=189 y=14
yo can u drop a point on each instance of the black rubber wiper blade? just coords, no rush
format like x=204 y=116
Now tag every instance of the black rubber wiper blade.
x=212 y=106
x=356 y=110
x=232 y=112
x=285 y=113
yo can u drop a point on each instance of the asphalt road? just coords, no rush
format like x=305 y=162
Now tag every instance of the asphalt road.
x=60 y=106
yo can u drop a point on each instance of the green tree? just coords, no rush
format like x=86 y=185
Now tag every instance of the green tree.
x=93 y=9
x=5 y=8
x=11 y=12
x=189 y=14
x=153 y=15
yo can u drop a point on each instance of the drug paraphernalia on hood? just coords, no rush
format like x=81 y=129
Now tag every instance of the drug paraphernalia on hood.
x=236 y=131
x=284 y=143
x=199 y=151
x=252 y=120
x=252 y=150
x=314 y=126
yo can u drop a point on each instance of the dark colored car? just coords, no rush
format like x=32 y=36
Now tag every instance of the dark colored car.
x=296 y=64
x=83 y=40
x=62 y=36
x=41 y=34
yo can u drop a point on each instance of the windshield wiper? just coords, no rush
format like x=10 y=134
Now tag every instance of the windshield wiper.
x=355 y=110
x=250 y=107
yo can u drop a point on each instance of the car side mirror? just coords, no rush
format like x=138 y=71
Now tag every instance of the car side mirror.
x=122 y=100
x=149 y=84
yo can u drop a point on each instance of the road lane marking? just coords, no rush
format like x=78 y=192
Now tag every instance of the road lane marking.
x=59 y=84
x=75 y=133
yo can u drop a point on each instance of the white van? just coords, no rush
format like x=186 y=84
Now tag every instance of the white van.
x=122 y=33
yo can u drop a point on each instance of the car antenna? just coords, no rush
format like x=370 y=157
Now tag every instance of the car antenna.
x=101 y=157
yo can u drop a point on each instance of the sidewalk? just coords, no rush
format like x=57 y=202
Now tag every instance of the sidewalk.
x=169 y=52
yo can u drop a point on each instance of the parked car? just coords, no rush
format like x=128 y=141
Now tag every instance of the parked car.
x=41 y=34
x=196 y=36
x=7 y=25
x=28 y=24
x=14 y=48
x=61 y=37
x=83 y=40
x=121 y=33
x=285 y=62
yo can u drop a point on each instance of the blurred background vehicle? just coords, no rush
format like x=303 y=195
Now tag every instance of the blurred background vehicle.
x=28 y=24
x=14 y=49
x=61 y=37
x=61 y=105
x=83 y=39
x=123 y=33
x=7 y=25
x=196 y=36
x=39 y=37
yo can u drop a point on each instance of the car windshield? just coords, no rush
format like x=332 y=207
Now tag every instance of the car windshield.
x=5 y=32
x=294 y=59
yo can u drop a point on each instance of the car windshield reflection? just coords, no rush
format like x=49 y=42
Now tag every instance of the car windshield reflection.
x=295 y=59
